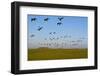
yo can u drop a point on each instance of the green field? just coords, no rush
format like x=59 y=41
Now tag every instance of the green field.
x=53 y=54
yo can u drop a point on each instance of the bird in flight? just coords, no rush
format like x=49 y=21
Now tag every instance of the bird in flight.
x=79 y=40
x=57 y=38
x=59 y=23
x=32 y=35
x=45 y=39
x=74 y=44
x=46 y=19
x=60 y=18
x=51 y=39
x=72 y=41
x=52 y=33
x=65 y=36
x=33 y=19
x=40 y=28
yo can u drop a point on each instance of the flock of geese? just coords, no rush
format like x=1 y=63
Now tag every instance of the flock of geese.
x=46 y=19
x=66 y=43
x=53 y=39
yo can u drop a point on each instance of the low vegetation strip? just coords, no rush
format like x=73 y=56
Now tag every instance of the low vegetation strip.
x=53 y=54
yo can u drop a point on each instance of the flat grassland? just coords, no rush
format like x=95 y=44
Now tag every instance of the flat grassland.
x=53 y=54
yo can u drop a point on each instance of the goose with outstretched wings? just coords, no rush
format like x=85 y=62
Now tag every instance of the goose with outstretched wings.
x=40 y=28
x=33 y=19
x=60 y=18
x=46 y=19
